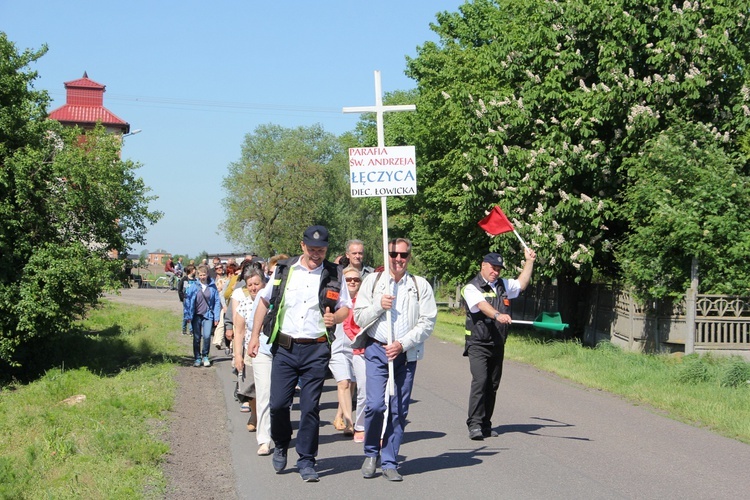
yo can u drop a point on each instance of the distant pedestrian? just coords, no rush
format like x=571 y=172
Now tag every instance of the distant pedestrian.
x=179 y=268
x=246 y=394
x=202 y=307
x=189 y=278
x=355 y=253
x=261 y=366
x=215 y=263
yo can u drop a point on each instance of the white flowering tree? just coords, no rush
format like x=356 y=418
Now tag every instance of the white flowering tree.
x=534 y=105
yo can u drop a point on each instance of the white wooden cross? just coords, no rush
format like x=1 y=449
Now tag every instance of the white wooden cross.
x=379 y=109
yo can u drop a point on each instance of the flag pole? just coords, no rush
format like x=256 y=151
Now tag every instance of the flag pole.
x=520 y=239
x=384 y=214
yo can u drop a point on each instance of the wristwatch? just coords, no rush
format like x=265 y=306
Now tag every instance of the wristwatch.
x=496 y=315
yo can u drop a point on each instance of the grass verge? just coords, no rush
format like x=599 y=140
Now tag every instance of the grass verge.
x=54 y=443
x=708 y=391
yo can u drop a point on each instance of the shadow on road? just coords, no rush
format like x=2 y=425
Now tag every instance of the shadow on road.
x=532 y=429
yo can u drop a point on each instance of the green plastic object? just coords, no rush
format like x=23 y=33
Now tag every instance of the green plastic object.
x=546 y=321
x=550 y=321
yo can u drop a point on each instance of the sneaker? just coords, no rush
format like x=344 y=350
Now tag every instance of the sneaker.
x=476 y=434
x=309 y=475
x=392 y=475
x=184 y=331
x=197 y=362
x=489 y=433
x=359 y=436
x=206 y=361
x=279 y=459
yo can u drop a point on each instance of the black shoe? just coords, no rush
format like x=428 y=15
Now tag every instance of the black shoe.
x=368 y=468
x=392 y=475
x=279 y=459
x=476 y=434
x=309 y=475
x=489 y=433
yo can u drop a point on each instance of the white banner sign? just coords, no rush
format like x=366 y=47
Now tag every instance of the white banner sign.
x=382 y=171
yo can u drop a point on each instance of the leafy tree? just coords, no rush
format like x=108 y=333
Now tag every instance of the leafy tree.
x=286 y=180
x=687 y=200
x=534 y=104
x=143 y=259
x=65 y=202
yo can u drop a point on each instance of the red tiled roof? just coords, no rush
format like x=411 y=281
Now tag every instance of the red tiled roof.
x=84 y=105
x=84 y=82
x=86 y=114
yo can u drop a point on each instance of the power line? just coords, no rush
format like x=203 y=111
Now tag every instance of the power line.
x=178 y=103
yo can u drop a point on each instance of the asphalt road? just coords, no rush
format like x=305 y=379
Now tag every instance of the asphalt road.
x=557 y=440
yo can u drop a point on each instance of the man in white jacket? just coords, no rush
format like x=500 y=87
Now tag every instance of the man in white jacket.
x=413 y=313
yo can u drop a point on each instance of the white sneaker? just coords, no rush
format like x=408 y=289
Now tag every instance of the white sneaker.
x=206 y=361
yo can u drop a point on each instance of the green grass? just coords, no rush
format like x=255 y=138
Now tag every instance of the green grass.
x=708 y=391
x=110 y=445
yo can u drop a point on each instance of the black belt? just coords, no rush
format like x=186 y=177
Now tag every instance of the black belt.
x=287 y=340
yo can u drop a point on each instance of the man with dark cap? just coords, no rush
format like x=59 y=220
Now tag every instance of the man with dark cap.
x=298 y=310
x=487 y=302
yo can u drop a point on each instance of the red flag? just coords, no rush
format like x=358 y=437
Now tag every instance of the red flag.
x=496 y=222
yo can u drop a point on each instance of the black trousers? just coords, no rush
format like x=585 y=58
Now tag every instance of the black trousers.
x=486 y=365
x=306 y=364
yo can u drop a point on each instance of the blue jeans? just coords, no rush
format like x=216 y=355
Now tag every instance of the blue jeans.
x=201 y=330
x=376 y=363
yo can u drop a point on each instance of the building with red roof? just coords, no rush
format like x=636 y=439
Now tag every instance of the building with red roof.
x=84 y=107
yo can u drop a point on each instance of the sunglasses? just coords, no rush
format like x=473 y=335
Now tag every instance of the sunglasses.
x=403 y=255
x=353 y=280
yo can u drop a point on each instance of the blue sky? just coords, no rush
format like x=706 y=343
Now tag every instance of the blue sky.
x=197 y=76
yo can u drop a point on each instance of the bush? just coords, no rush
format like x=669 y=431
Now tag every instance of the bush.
x=736 y=373
x=693 y=370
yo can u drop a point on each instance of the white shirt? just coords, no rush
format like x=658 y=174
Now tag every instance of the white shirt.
x=399 y=318
x=301 y=317
x=473 y=296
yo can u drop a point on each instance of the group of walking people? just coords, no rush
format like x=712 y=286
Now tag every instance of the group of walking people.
x=305 y=316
